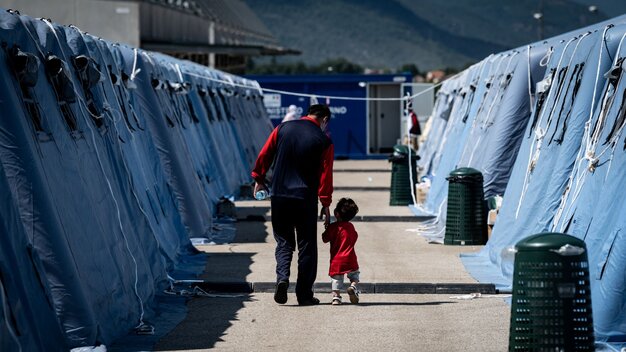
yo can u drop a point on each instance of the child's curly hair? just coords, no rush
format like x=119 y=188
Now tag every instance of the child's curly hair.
x=347 y=209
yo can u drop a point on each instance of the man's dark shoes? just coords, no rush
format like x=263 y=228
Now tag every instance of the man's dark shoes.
x=280 y=295
x=309 y=302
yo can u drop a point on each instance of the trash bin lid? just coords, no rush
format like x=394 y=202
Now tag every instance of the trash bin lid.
x=552 y=241
x=402 y=149
x=465 y=171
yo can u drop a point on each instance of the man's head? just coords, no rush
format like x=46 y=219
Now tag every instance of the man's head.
x=321 y=113
x=346 y=209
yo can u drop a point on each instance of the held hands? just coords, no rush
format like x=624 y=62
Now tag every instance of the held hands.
x=325 y=212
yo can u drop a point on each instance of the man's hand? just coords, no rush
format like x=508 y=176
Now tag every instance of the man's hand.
x=259 y=186
x=325 y=211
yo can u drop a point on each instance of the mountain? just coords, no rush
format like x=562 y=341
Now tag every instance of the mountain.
x=429 y=33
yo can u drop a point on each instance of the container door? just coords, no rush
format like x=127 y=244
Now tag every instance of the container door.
x=384 y=118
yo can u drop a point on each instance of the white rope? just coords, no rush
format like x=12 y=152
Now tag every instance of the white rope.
x=596 y=133
x=569 y=64
x=117 y=208
x=530 y=92
x=588 y=155
x=471 y=158
x=533 y=156
x=493 y=103
x=495 y=100
x=135 y=70
x=476 y=79
x=198 y=292
x=493 y=69
x=595 y=87
x=448 y=129
x=546 y=58
x=433 y=224
x=322 y=96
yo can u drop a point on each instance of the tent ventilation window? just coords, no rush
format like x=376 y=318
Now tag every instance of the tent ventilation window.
x=470 y=100
x=222 y=99
x=121 y=93
x=170 y=122
x=132 y=110
x=217 y=103
x=26 y=66
x=620 y=121
x=115 y=80
x=192 y=112
x=543 y=89
x=89 y=75
x=205 y=102
x=614 y=75
x=483 y=101
x=561 y=83
x=63 y=88
x=179 y=108
x=577 y=77
x=621 y=116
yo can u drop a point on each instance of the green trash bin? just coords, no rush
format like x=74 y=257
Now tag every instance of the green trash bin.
x=551 y=304
x=466 y=221
x=401 y=187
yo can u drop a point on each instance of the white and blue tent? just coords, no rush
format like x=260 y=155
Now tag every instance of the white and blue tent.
x=553 y=147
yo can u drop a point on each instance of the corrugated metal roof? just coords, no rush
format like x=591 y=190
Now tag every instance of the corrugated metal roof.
x=235 y=22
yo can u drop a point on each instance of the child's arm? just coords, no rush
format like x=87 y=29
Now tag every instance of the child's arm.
x=326 y=236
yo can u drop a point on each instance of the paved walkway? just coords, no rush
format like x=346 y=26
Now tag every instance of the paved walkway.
x=389 y=252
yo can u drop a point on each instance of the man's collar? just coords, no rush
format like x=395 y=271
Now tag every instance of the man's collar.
x=312 y=119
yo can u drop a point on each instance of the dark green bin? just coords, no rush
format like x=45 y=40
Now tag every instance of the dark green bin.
x=401 y=187
x=466 y=221
x=551 y=304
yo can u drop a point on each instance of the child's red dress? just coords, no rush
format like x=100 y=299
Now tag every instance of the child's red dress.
x=342 y=237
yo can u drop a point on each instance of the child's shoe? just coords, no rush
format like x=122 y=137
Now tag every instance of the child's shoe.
x=336 y=300
x=353 y=292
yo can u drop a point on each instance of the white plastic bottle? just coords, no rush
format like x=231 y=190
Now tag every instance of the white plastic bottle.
x=260 y=195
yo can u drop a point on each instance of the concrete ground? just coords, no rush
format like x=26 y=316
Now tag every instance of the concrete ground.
x=389 y=252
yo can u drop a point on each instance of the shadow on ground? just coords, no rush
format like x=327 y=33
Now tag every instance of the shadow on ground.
x=209 y=317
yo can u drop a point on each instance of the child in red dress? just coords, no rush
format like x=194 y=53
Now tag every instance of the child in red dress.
x=342 y=237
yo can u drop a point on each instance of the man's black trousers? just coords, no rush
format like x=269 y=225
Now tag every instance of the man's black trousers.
x=295 y=223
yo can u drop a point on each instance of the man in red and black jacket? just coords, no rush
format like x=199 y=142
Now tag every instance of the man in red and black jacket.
x=302 y=155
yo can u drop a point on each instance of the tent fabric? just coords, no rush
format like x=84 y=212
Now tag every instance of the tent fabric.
x=111 y=158
x=547 y=133
x=490 y=108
